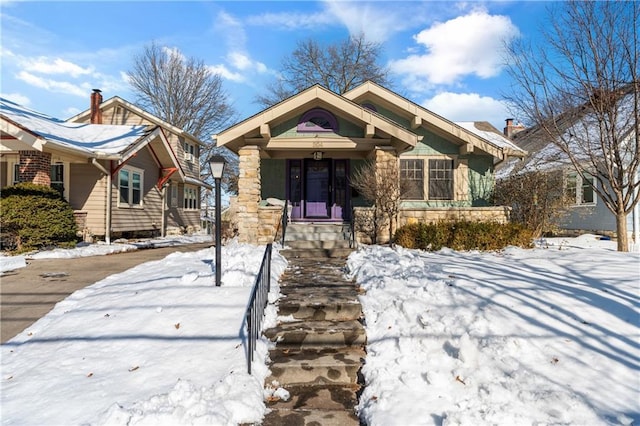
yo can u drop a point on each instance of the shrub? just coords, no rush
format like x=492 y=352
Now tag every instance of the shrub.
x=35 y=217
x=463 y=235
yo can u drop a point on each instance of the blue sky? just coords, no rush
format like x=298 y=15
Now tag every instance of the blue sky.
x=445 y=56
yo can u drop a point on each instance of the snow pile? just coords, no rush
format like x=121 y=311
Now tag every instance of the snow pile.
x=11 y=263
x=157 y=344
x=543 y=336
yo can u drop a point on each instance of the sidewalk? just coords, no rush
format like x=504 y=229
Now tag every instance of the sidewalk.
x=27 y=294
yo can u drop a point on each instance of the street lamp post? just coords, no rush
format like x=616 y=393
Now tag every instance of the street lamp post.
x=216 y=165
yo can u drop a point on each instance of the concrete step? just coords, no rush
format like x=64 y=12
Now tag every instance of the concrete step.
x=315 y=236
x=330 y=307
x=317 y=243
x=317 y=334
x=341 y=253
x=305 y=367
x=299 y=417
x=315 y=228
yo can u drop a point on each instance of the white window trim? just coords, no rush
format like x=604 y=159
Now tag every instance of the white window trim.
x=190 y=151
x=129 y=205
x=577 y=202
x=66 y=176
x=185 y=191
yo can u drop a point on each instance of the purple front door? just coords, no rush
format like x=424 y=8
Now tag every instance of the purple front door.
x=317 y=189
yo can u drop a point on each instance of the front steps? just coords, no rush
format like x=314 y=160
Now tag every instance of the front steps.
x=317 y=240
x=319 y=345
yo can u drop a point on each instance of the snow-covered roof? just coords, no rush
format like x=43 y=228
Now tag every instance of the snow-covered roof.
x=87 y=138
x=489 y=133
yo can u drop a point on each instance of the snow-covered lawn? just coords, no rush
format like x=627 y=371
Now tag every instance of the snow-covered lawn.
x=156 y=344
x=519 y=337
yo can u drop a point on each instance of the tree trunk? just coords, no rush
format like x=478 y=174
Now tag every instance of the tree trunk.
x=621 y=229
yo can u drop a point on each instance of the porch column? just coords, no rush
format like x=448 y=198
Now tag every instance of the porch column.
x=249 y=194
x=386 y=157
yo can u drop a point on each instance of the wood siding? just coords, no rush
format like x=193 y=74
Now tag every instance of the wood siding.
x=87 y=193
x=149 y=216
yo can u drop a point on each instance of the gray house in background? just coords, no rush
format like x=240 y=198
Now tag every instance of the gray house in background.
x=587 y=212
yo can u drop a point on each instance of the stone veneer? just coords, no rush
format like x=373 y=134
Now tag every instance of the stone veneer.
x=249 y=187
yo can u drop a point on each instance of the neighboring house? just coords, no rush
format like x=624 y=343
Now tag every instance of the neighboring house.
x=124 y=171
x=304 y=149
x=587 y=212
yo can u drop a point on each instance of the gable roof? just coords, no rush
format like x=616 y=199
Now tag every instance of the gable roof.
x=95 y=140
x=579 y=128
x=479 y=135
x=257 y=127
x=118 y=101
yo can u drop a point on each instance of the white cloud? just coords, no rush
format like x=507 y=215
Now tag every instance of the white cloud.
x=17 y=98
x=468 y=107
x=466 y=45
x=378 y=22
x=226 y=73
x=292 y=20
x=45 y=65
x=53 y=85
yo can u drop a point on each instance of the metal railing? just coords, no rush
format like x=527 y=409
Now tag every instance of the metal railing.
x=352 y=231
x=285 y=219
x=257 y=304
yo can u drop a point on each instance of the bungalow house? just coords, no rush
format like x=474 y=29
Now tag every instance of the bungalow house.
x=305 y=148
x=124 y=171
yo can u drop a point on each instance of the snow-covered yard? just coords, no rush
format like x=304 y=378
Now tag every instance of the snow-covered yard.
x=520 y=337
x=543 y=336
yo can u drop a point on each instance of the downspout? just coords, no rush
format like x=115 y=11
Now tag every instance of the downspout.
x=107 y=231
x=163 y=221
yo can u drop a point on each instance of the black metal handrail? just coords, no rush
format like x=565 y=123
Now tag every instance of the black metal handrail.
x=257 y=304
x=285 y=219
x=352 y=230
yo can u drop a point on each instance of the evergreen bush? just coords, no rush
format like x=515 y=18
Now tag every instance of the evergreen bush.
x=463 y=235
x=35 y=217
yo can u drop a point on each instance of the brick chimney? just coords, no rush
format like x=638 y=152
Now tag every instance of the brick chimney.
x=96 y=112
x=511 y=129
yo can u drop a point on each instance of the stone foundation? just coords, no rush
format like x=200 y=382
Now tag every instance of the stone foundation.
x=270 y=218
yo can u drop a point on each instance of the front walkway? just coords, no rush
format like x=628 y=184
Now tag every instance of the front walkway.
x=319 y=345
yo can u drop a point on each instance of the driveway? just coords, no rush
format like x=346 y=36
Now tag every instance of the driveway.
x=27 y=294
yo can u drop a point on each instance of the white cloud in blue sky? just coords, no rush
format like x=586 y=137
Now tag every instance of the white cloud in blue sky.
x=465 y=45
x=440 y=53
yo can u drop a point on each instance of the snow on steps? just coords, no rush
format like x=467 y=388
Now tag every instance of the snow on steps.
x=320 y=345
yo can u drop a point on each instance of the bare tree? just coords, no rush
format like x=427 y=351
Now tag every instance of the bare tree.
x=580 y=90
x=536 y=198
x=381 y=186
x=183 y=92
x=339 y=67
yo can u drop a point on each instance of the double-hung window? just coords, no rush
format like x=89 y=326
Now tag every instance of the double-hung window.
x=441 y=179
x=190 y=198
x=412 y=179
x=57 y=177
x=580 y=190
x=130 y=184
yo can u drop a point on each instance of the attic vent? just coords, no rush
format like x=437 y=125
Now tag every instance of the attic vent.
x=317 y=120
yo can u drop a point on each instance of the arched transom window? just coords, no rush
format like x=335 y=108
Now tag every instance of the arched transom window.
x=317 y=120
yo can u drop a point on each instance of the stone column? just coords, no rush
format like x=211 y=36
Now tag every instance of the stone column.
x=386 y=158
x=249 y=194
